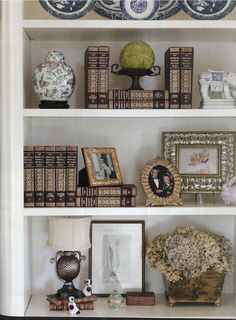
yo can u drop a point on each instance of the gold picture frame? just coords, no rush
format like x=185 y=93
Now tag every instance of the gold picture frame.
x=102 y=166
x=220 y=168
x=161 y=183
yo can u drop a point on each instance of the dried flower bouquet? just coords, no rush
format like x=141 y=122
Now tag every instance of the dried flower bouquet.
x=188 y=252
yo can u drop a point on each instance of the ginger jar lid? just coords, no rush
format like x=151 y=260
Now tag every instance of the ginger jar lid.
x=55 y=56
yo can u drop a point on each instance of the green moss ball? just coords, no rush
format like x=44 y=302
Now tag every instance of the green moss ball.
x=137 y=55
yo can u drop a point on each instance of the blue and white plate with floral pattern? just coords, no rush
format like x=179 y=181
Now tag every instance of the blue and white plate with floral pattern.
x=207 y=9
x=168 y=8
x=139 y=9
x=109 y=9
x=68 y=9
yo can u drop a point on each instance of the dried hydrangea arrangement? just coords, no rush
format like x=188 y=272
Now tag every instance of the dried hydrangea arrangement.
x=188 y=252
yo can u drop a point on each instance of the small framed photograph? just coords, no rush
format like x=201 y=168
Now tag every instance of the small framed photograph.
x=117 y=256
x=161 y=183
x=102 y=166
x=205 y=160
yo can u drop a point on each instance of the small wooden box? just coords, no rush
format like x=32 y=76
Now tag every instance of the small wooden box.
x=140 y=298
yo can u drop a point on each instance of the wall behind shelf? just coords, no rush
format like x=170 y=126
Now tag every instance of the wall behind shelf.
x=216 y=56
x=44 y=279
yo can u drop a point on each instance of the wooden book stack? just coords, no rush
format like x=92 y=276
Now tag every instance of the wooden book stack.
x=55 y=304
x=110 y=196
x=138 y=99
x=50 y=176
x=179 y=76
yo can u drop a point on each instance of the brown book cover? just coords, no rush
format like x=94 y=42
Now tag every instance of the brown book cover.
x=71 y=175
x=186 y=76
x=140 y=298
x=91 y=77
x=28 y=176
x=172 y=76
x=50 y=176
x=139 y=104
x=126 y=190
x=63 y=307
x=60 y=176
x=39 y=178
x=120 y=94
x=105 y=201
x=52 y=298
x=103 y=76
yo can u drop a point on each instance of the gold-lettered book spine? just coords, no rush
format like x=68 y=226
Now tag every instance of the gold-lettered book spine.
x=28 y=176
x=39 y=176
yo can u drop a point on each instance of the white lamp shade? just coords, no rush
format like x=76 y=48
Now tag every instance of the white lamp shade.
x=69 y=233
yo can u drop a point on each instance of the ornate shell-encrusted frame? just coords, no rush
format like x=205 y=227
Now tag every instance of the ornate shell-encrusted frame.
x=89 y=167
x=151 y=198
x=206 y=183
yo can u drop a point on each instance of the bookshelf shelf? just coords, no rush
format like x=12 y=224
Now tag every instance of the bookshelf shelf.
x=112 y=113
x=188 y=209
x=38 y=305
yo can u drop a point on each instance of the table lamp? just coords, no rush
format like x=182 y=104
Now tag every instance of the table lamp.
x=69 y=235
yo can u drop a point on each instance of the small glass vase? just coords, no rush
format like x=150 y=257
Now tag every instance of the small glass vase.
x=115 y=300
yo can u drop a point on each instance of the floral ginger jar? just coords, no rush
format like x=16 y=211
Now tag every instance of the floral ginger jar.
x=54 y=81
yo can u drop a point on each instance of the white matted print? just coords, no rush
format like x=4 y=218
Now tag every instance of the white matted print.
x=117 y=256
x=195 y=160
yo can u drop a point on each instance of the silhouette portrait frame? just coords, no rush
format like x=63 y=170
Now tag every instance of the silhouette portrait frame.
x=102 y=166
x=205 y=159
x=161 y=183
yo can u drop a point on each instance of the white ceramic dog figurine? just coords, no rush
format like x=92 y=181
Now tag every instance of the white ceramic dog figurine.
x=229 y=192
x=87 y=289
x=73 y=308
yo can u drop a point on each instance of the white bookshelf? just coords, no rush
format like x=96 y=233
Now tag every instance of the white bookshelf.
x=135 y=133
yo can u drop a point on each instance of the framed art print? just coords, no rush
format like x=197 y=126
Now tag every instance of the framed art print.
x=161 y=183
x=205 y=160
x=102 y=166
x=117 y=256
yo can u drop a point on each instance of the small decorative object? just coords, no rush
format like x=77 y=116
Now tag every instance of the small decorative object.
x=207 y=9
x=117 y=256
x=70 y=236
x=216 y=82
x=140 y=299
x=161 y=183
x=168 y=9
x=115 y=300
x=139 y=9
x=229 y=192
x=193 y=262
x=136 y=60
x=54 y=81
x=68 y=9
x=87 y=289
x=205 y=160
x=109 y=9
x=102 y=166
x=73 y=308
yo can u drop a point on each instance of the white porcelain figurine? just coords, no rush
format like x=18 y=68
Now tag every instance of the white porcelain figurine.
x=87 y=289
x=72 y=306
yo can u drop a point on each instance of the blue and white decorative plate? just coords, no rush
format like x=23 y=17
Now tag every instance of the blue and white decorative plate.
x=109 y=8
x=139 y=9
x=168 y=8
x=68 y=9
x=207 y=9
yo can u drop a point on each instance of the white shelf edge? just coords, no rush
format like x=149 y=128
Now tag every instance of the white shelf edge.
x=134 y=211
x=129 y=24
x=125 y=113
x=38 y=306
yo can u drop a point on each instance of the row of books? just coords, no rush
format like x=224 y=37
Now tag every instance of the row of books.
x=56 y=304
x=179 y=76
x=96 y=77
x=138 y=99
x=110 y=196
x=50 y=176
